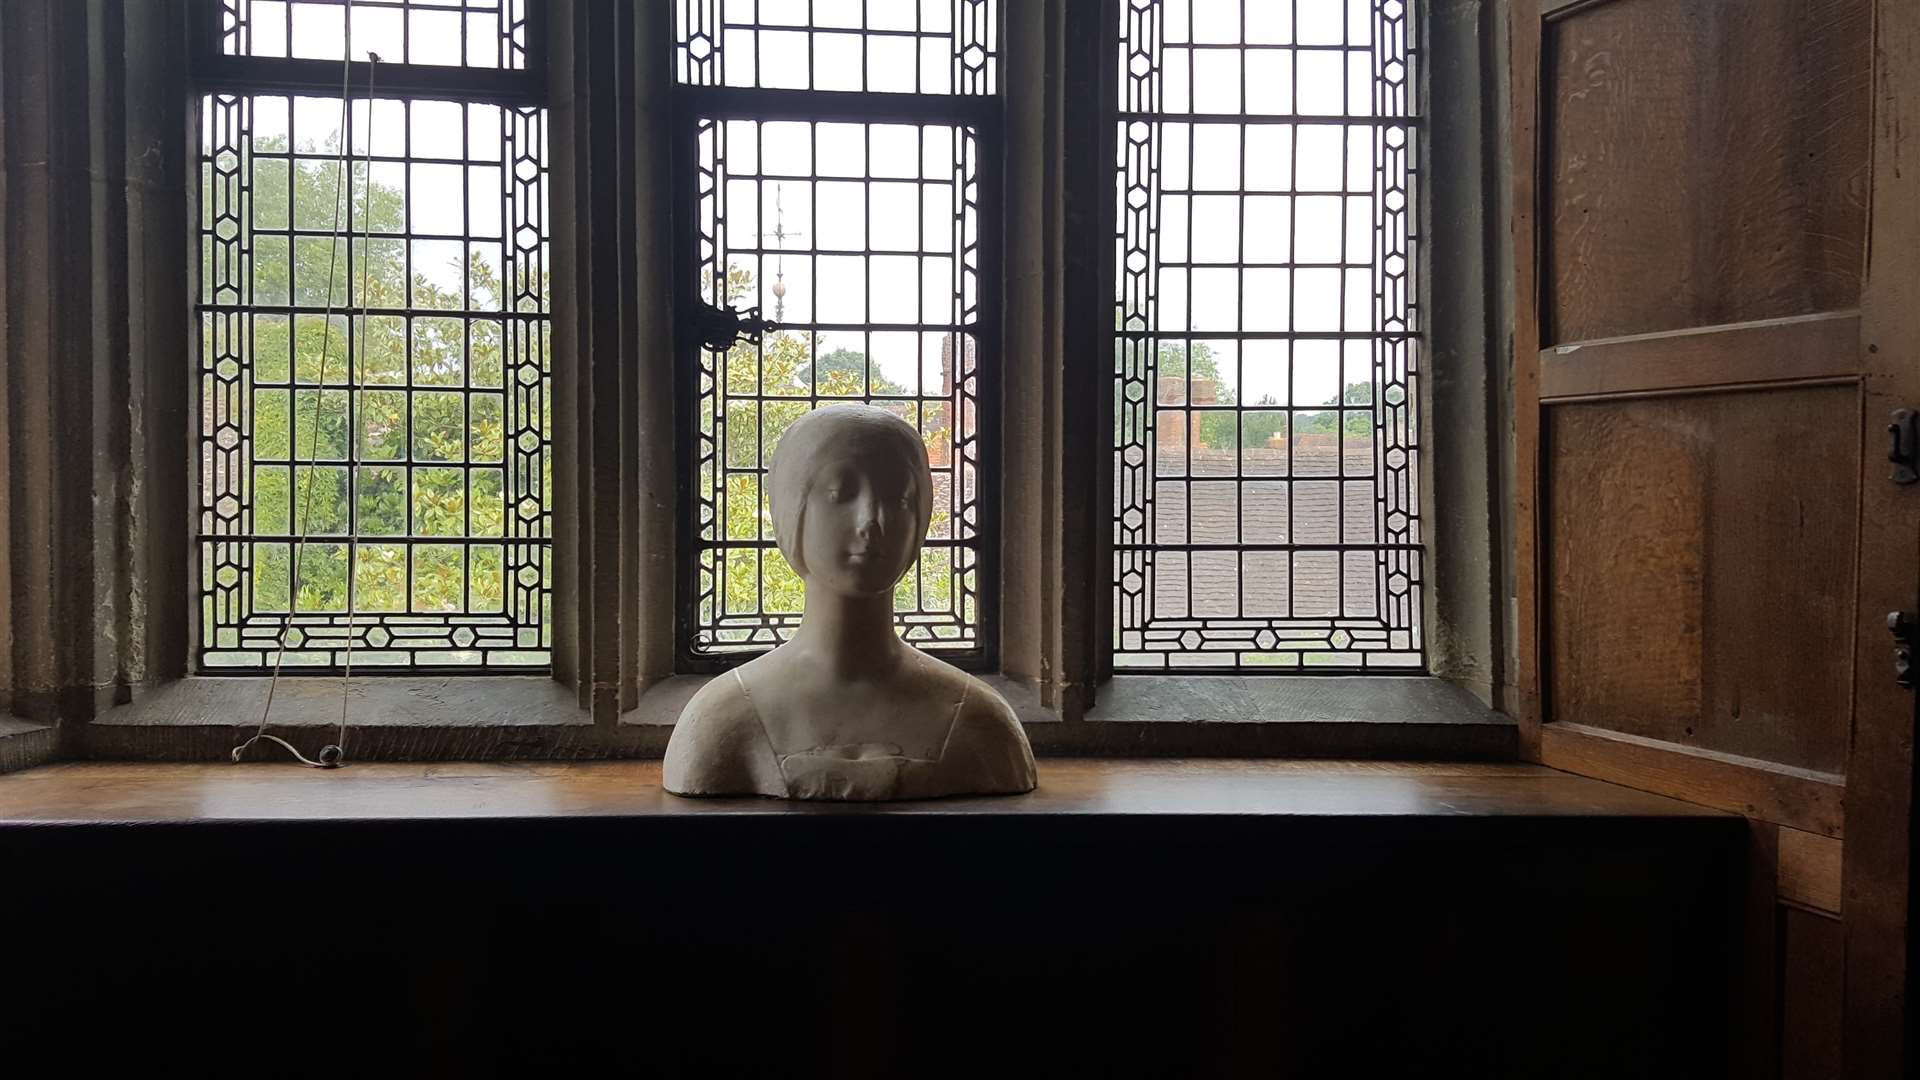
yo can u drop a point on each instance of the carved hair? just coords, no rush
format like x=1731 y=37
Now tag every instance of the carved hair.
x=796 y=458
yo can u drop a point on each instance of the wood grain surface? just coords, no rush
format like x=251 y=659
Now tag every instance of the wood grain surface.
x=1802 y=347
x=1800 y=798
x=1706 y=163
x=1878 y=873
x=1526 y=701
x=1812 y=963
x=95 y=793
x=1703 y=570
x=1809 y=870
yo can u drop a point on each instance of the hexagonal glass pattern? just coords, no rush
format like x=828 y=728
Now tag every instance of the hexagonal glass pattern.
x=487 y=34
x=1266 y=345
x=374 y=387
x=875 y=46
x=860 y=241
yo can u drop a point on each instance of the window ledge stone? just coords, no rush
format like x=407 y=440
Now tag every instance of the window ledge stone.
x=390 y=718
x=1417 y=717
x=1375 y=717
x=24 y=744
x=1266 y=699
x=660 y=703
x=474 y=701
x=416 y=718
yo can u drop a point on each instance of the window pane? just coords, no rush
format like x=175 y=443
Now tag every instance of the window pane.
x=844 y=235
x=880 y=46
x=358 y=381
x=456 y=33
x=1266 y=351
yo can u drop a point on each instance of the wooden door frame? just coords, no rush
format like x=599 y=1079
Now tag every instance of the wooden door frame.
x=1524 y=33
x=1875 y=875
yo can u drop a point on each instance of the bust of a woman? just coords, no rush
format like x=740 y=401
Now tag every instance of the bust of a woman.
x=845 y=709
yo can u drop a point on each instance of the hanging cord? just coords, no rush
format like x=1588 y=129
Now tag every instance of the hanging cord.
x=353 y=437
x=333 y=755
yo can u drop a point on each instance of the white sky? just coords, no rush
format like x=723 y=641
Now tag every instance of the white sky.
x=910 y=274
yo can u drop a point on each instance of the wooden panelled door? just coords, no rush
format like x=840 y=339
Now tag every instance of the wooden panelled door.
x=1717 y=239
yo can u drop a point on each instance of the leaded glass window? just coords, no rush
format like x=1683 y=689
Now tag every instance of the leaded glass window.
x=374 y=419
x=856 y=227
x=452 y=33
x=1266 y=338
x=873 y=46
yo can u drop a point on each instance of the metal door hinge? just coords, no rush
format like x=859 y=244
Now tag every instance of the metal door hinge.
x=1900 y=624
x=1902 y=449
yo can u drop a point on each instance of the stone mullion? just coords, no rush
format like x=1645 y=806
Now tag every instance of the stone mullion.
x=108 y=655
x=85 y=331
x=566 y=87
x=26 y=170
x=599 y=372
x=652 y=451
x=1086 y=63
x=50 y=247
x=606 y=319
x=162 y=275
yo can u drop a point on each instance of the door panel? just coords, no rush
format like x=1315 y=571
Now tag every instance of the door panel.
x=1708 y=163
x=1717 y=307
x=1812 y=965
x=1701 y=568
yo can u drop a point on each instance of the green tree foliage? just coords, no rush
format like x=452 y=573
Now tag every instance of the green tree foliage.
x=1254 y=425
x=1217 y=429
x=1358 y=425
x=786 y=374
x=435 y=423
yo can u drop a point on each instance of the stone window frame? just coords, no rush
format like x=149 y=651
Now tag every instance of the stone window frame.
x=98 y=660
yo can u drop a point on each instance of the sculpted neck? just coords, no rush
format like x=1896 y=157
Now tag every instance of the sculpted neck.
x=852 y=635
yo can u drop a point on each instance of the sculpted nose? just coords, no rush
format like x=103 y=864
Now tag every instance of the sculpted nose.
x=867 y=516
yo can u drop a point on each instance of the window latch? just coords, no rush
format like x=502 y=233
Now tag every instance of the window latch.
x=718 y=328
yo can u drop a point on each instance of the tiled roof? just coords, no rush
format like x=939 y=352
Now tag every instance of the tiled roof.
x=1256 y=509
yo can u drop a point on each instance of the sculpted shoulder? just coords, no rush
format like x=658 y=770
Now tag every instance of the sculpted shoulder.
x=989 y=745
x=718 y=746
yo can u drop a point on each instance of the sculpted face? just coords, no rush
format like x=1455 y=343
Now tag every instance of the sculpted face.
x=860 y=531
x=851 y=499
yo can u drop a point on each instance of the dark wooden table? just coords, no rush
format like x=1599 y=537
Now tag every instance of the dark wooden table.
x=1167 y=918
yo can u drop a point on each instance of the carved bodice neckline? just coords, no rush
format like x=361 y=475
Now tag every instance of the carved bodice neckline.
x=859 y=751
x=859 y=764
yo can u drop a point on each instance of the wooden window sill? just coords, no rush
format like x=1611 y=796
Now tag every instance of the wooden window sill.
x=98 y=793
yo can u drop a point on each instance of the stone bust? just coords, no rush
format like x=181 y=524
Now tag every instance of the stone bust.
x=845 y=709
